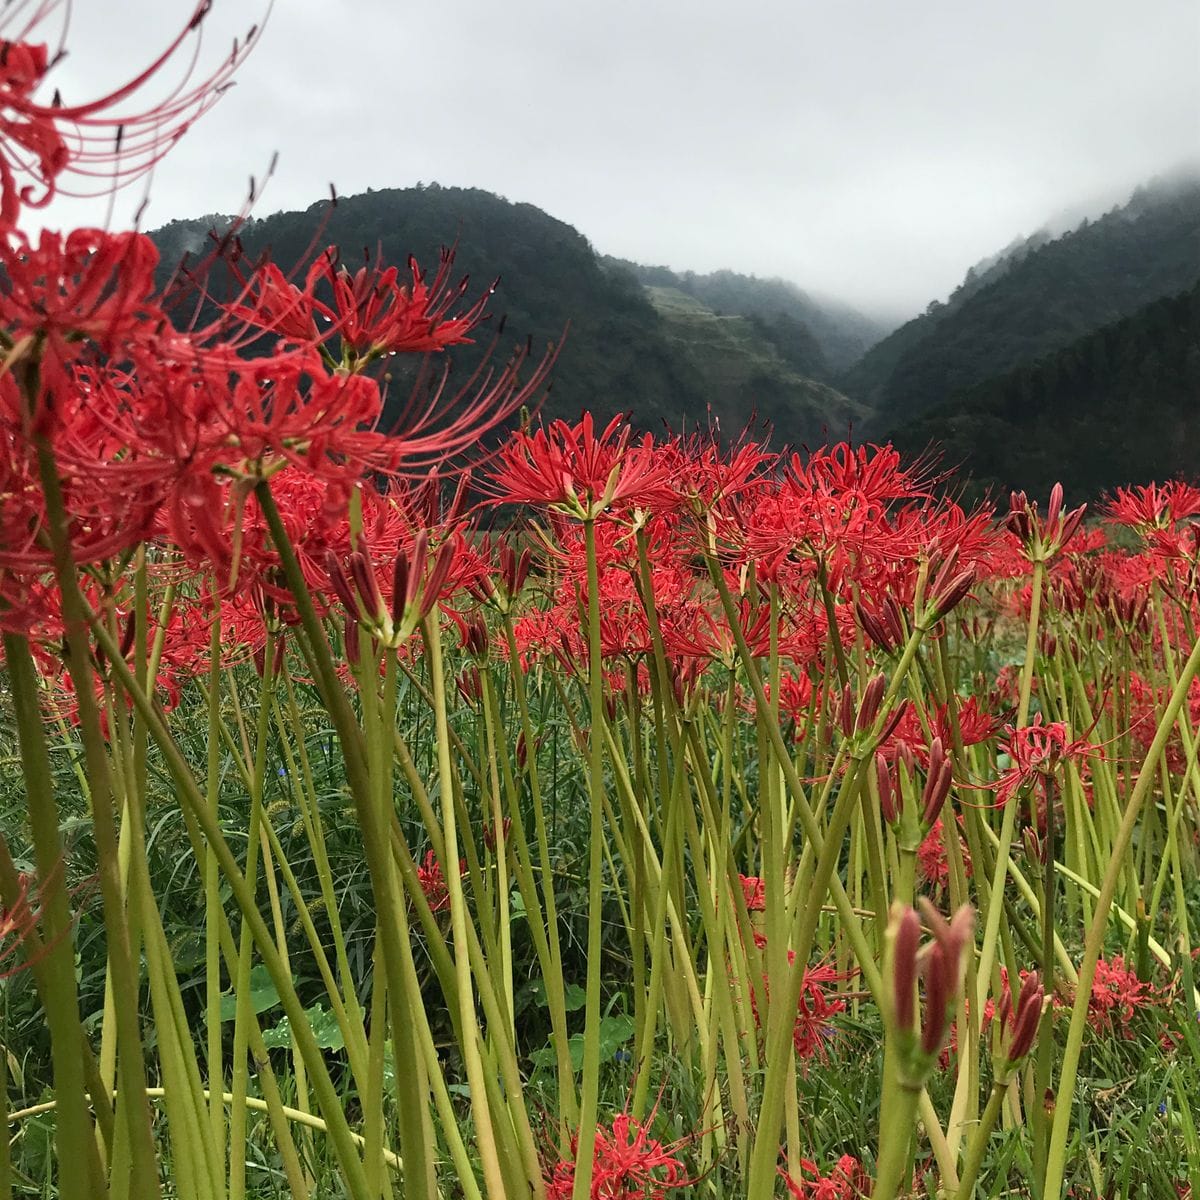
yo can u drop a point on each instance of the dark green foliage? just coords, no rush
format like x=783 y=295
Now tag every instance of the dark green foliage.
x=620 y=354
x=1119 y=406
x=820 y=337
x=1037 y=298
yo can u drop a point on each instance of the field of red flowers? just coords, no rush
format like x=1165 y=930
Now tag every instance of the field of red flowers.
x=407 y=798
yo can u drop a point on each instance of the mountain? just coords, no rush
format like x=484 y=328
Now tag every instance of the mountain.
x=623 y=351
x=1038 y=296
x=821 y=337
x=741 y=357
x=1118 y=406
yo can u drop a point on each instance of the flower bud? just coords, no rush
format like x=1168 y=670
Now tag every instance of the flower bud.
x=937 y=783
x=1023 y=1025
x=888 y=805
x=904 y=968
x=872 y=698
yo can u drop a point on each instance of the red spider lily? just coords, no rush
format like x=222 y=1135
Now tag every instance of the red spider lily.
x=220 y=533
x=795 y=698
x=706 y=477
x=627 y=1164
x=89 y=284
x=1037 y=751
x=816 y=1006
x=17 y=922
x=22 y=67
x=932 y=861
x=107 y=510
x=433 y=882
x=917 y=730
x=754 y=892
x=371 y=313
x=569 y=469
x=184 y=640
x=98 y=138
x=1117 y=994
x=846 y=1181
x=854 y=516
x=1154 y=506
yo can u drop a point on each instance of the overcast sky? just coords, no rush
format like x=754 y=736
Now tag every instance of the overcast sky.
x=866 y=149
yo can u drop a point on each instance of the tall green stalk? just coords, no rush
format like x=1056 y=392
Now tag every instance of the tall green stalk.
x=1094 y=944
x=590 y=1084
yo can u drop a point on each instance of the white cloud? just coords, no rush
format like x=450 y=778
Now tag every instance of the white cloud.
x=866 y=149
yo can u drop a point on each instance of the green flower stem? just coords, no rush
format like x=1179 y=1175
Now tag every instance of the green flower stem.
x=899 y=1104
x=713 y=918
x=500 y=856
x=5 y=1145
x=944 y=1153
x=80 y=1171
x=1035 y=609
x=256 y=765
x=977 y=1146
x=372 y=1085
x=144 y=1181
x=784 y=1001
x=681 y=985
x=525 y=874
x=590 y=1082
x=873 y=840
x=373 y=821
x=1171 y=861
x=851 y=925
x=197 y=812
x=553 y=974
x=1029 y=895
x=659 y=965
x=212 y=892
x=304 y=791
x=1056 y=1160
x=266 y=1077
x=493 y=1175
x=991 y=930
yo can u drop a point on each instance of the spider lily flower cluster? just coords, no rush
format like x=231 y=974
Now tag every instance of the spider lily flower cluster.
x=611 y=778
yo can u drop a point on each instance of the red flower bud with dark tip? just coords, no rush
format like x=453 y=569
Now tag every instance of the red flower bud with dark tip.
x=1035 y=848
x=937 y=783
x=868 y=710
x=1042 y=540
x=514 y=568
x=942 y=972
x=489 y=833
x=1020 y=517
x=894 y=720
x=339 y=582
x=876 y=627
x=938 y=997
x=1022 y=1026
x=475 y=636
x=904 y=969
x=370 y=596
x=469 y=685
x=522 y=748
x=894 y=615
x=846 y=711
x=1054 y=508
x=888 y=797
